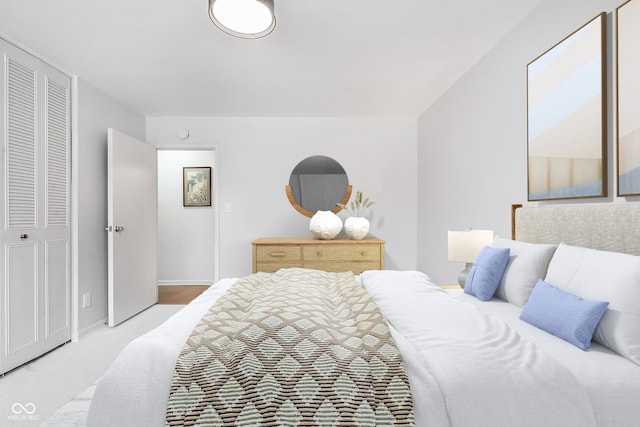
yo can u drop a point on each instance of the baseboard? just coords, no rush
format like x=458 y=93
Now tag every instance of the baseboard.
x=185 y=282
x=99 y=324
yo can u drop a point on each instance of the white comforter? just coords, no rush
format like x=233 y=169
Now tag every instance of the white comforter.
x=135 y=389
x=465 y=368
x=475 y=370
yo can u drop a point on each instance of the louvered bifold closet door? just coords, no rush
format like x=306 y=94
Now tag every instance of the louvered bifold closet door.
x=56 y=233
x=20 y=235
x=34 y=254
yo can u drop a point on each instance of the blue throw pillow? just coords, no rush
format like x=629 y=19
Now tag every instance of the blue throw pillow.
x=486 y=273
x=562 y=314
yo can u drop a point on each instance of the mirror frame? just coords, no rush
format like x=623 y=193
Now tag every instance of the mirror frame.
x=303 y=211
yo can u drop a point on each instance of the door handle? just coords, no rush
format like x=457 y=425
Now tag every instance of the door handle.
x=24 y=236
x=118 y=228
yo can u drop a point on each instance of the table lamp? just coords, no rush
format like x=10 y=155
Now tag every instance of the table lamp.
x=464 y=246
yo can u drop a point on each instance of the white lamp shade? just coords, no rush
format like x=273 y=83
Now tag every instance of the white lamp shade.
x=464 y=246
x=249 y=19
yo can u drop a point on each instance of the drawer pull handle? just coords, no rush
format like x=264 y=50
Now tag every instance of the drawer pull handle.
x=319 y=253
x=363 y=253
x=278 y=254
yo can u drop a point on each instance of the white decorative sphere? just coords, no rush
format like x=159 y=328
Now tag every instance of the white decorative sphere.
x=325 y=225
x=356 y=227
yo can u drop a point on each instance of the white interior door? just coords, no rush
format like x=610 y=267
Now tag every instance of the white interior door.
x=132 y=216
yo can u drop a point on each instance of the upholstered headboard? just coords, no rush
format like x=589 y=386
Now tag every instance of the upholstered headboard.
x=609 y=227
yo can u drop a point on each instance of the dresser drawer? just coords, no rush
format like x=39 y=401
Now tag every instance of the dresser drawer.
x=341 y=266
x=341 y=253
x=277 y=253
x=271 y=254
x=272 y=267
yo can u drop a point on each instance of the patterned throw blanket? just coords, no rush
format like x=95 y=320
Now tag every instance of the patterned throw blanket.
x=296 y=347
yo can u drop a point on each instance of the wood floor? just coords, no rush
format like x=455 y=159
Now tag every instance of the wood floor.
x=179 y=294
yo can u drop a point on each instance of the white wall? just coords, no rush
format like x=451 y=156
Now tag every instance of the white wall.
x=96 y=113
x=186 y=235
x=256 y=156
x=472 y=141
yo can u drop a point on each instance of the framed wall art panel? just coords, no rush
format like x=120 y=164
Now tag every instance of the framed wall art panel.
x=566 y=117
x=628 y=87
x=196 y=186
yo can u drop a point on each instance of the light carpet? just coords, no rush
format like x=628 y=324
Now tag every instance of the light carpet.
x=56 y=389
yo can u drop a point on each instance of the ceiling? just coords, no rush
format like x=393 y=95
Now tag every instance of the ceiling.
x=325 y=58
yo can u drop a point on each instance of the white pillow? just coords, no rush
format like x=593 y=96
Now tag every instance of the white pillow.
x=528 y=262
x=604 y=276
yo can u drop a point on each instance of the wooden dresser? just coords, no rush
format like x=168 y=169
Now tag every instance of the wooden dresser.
x=271 y=254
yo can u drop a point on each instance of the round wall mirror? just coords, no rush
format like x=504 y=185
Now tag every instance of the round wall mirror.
x=318 y=183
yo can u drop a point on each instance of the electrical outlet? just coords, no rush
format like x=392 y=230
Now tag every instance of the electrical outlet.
x=86 y=300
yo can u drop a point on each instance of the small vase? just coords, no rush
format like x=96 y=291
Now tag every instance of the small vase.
x=325 y=225
x=356 y=227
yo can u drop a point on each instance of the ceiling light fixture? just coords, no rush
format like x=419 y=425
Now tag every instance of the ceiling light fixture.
x=248 y=19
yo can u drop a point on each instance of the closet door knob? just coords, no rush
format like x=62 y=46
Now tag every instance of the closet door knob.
x=24 y=236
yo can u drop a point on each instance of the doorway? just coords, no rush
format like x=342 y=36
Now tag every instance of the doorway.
x=187 y=235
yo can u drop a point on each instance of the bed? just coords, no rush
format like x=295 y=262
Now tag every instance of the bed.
x=468 y=362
